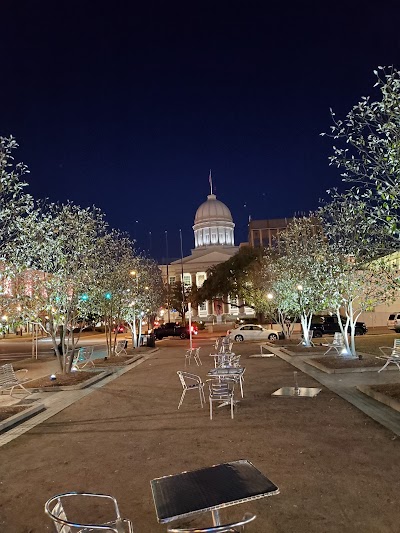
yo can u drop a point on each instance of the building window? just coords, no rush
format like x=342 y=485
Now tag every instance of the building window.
x=248 y=310
x=214 y=235
x=202 y=309
x=187 y=280
x=233 y=309
x=200 y=278
x=206 y=236
x=222 y=236
x=172 y=280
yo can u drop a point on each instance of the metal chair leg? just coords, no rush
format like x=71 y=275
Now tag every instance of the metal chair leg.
x=182 y=397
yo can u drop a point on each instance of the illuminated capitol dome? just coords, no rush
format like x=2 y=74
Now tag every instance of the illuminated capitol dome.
x=213 y=224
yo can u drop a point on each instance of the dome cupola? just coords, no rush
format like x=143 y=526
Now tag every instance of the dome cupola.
x=213 y=224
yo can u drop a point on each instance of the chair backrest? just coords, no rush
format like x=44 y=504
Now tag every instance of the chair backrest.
x=338 y=339
x=235 y=360
x=219 y=390
x=7 y=375
x=183 y=375
x=396 y=345
x=54 y=508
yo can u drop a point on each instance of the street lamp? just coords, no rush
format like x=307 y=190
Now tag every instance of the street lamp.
x=270 y=296
x=135 y=274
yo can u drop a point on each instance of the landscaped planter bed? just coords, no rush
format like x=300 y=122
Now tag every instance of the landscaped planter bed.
x=341 y=365
x=15 y=414
x=71 y=381
x=304 y=350
x=388 y=394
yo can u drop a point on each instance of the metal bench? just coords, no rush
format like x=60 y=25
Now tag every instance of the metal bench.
x=9 y=379
x=83 y=356
x=337 y=344
x=393 y=356
x=121 y=347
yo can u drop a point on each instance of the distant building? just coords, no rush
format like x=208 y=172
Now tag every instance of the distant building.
x=266 y=232
x=214 y=242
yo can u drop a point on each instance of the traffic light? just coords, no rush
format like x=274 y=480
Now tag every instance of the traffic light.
x=107 y=296
x=84 y=297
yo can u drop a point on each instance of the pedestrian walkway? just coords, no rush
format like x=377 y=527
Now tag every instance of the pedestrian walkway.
x=345 y=386
x=54 y=402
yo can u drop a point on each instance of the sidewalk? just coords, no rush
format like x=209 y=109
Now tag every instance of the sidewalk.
x=329 y=459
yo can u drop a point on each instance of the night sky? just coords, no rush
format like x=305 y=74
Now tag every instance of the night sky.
x=127 y=105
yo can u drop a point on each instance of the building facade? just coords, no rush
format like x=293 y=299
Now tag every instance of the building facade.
x=214 y=243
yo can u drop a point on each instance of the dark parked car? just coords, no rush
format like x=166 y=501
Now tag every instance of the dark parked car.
x=170 y=329
x=328 y=325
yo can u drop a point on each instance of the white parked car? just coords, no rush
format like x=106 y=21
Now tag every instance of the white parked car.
x=394 y=322
x=254 y=332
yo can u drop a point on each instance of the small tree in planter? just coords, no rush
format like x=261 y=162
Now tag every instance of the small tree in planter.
x=359 y=278
x=145 y=296
x=60 y=251
x=298 y=273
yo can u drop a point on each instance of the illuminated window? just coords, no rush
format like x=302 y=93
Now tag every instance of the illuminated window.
x=233 y=309
x=202 y=309
x=187 y=280
x=200 y=278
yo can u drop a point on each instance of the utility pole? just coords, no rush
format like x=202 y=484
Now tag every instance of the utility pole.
x=182 y=285
x=166 y=247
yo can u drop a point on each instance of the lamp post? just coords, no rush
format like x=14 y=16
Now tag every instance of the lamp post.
x=270 y=297
x=135 y=274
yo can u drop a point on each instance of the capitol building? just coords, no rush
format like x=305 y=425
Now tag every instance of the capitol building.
x=214 y=243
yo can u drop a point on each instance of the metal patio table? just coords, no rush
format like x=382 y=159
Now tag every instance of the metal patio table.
x=229 y=372
x=209 y=489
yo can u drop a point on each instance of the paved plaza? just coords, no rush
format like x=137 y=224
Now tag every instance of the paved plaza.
x=337 y=468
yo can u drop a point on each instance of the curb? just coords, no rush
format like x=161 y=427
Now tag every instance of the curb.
x=379 y=397
x=327 y=370
x=99 y=376
x=21 y=416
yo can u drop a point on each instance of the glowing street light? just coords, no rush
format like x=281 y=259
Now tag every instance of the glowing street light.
x=270 y=296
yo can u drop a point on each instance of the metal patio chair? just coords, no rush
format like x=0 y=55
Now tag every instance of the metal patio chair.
x=221 y=392
x=9 y=379
x=55 y=509
x=83 y=357
x=337 y=344
x=391 y=354
x=195 y=353
x=191 y=382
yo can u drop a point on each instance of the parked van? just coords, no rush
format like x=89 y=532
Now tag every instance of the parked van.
x=394 y=322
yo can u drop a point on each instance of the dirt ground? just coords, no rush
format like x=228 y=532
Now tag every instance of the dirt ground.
x=337 y=470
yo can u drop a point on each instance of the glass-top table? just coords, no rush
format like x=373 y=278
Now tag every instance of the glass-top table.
x=209 y=489
x=232 y=372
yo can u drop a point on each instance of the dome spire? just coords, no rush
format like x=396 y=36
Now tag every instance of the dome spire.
x=210 y=182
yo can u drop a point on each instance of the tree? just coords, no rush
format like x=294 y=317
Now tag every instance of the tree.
x=15 y=204
x=229 y=278
x=298 y=276
x=359 y=278
x=370 y=157
x=60 y=255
